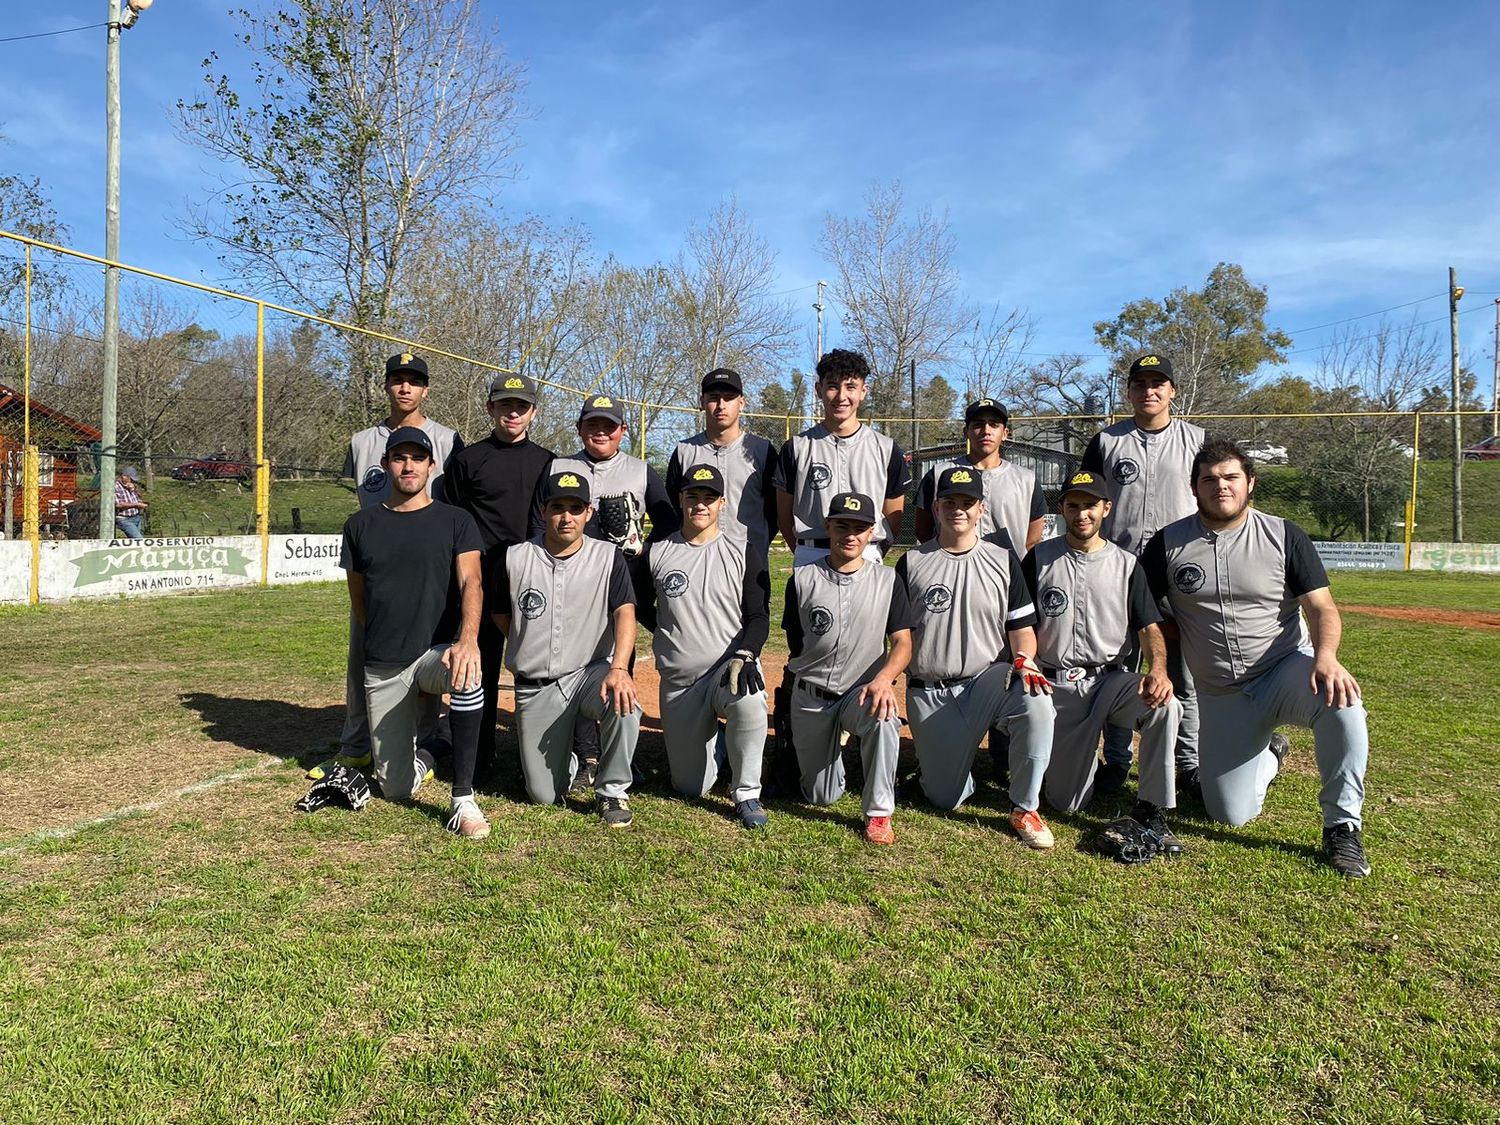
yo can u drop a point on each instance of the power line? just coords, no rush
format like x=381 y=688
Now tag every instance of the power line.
x=1362 y=316
x=1357 y=339
x=46 y=34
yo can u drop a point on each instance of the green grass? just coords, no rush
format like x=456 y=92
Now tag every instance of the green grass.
x=1481 y=492
x=1417 y=589
x=223 y=958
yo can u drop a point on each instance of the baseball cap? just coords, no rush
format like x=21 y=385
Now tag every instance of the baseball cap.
x=409 y=435
x=522 y=387
x=961 y=481
x=855 y=506
x=408 y=363
x=602 y=406
x=566 y=486
x=704 y=476
x=723 y=377
x=986 y=406
x=1091 y=483
x=1152 y=364
x=132 y=472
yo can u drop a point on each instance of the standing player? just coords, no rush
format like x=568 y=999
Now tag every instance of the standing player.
x=1148 y=458
x=406 y=384
x=706 y=598
x=746 y=461
x=569 y=615
x=839 y=454
x=839 y=612
x=416 y=591
x=1092 y=600
x=1013 y=501
x=495 y=481
x=1235 y=579
x=973 y=621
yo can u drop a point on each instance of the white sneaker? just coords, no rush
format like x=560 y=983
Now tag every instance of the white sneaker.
x=466 y=819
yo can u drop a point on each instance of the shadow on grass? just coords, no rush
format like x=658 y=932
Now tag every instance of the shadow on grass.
x=284 y=730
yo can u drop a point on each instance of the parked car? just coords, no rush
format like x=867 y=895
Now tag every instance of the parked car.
x=1486 y=450
x=1267 y=454
x=216 y=466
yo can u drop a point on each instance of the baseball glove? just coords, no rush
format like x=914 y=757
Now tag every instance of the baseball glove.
x=1126 y=840
x=623 y=522
x=341 y=785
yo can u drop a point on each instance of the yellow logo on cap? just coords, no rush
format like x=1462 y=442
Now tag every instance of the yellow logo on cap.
x=962 y=476
x=603 y=400
x=1149 y=361
x=704 y=474
x=985 y=402
x=407 y=357
x=567 y=480
x=852 y=504
x=1082 y=478
x=515 y=384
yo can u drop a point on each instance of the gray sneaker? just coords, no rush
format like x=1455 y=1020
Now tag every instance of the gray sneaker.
x=752 y=813
x=615 y=812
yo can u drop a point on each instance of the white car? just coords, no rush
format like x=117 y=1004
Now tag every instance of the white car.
x=1268 y=454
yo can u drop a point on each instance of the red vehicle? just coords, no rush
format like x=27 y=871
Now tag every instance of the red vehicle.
x=216 y=466
x=1486 y=450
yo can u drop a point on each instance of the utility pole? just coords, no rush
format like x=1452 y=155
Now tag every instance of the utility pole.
x=818 y=304
x=915 y=445
x=1455 y=293
x=1495 y=378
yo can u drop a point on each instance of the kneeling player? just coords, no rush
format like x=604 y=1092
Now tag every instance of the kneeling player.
x=1092 y=598
x=415 y=588
x=706 y=597
x=839 y=610
x=571 y=631
x=971 y=607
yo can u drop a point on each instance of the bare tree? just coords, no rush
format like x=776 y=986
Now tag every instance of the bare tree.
x=993 y=355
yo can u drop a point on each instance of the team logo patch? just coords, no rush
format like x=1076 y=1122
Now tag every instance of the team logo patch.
x=514 y=383
x=703 y=474
x=1126 y=471
x=1188 y=578
x=1149 y=361
x=961 y=476
x=1054 y=601
x=601 y=400
x=852 y=504
x=819 y=620
x=1082 y=477
x=567 y=480
x=938 y=599
x=674 y=583
x=374 y=480
x=532 y=603
x=407 y=357
x=820 y=476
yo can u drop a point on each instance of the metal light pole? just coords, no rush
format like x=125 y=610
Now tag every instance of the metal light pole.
x=1495 y=378
x=818 y=305
x=1455 y=294
x=118 y=22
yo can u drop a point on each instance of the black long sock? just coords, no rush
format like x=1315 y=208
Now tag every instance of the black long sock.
x=465 y=726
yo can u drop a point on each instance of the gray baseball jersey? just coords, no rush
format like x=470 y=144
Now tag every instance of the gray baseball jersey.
x=1234 y=593
x=561 y=609
x=748 y=467
x=704 y=603
x=836 y=624
x=1012 y=497
x=815 y=466
x=362 y=461
x=1152 y=477
x=962 y=606
x=1090 y=604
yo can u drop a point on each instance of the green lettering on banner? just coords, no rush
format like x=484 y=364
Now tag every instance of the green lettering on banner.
x=100 y=566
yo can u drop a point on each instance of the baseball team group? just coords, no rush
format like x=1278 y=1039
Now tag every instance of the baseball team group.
x=1167 y=608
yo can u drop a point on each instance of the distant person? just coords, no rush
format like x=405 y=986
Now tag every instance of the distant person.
x=1013 y=501
x=129 y=507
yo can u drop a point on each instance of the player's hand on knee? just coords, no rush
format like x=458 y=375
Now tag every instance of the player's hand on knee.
x=1333 y=681
x=879 y=697
x=618 y=691
x=462 y=661
x=1031 y=676
x=742 y=675
x=1156 y=688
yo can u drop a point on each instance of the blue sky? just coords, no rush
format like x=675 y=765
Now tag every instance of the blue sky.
x=1087 y=154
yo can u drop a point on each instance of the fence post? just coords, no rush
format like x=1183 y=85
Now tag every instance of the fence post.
x=262 y=470
x=30 y=474
x=1416 y=461
x=642 y=453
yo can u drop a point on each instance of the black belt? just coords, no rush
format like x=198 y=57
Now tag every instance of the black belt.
x=816 y=692
x=927 y=685
x=531 y=681
x=1087 y=671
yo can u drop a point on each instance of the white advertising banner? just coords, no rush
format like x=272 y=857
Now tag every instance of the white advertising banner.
x=15 y=570
x=91 y=568
x=305 y=558
x=1483 y=558
x=1362 y=556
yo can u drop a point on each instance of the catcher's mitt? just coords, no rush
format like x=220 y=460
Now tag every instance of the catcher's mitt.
x=1127 y=840
x=341 y=785
x=623 y=522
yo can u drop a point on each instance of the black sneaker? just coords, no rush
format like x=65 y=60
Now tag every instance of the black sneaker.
x=588 y=772
x=1345 y=851
x=1281 y=746
x=752 y=813
x=615 y=812
x=1151 y=818
x=1189 y=782
x=1110 y=779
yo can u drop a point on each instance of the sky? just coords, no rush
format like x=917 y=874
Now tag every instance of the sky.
x=1086 y=154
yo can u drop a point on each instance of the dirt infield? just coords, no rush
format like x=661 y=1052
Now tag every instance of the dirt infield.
x=1463 y=619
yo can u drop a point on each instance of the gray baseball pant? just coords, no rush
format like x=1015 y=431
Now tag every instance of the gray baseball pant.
x=1117 y=738
x=545 y=715
x=355 y=738
x=1083 y=708
x=397 y=697
x=947 y=723
x=690 y=728
x=816 y=725
x=1236 y=767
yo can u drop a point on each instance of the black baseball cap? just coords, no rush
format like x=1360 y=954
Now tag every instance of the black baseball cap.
x=986 y=406
x=704 y=476
x=409 y=364
x=960 y=480
x=522 y=387
x=1091 y=483
x=566 y=486
x=723 y=378
x=1152 y=364
x=409 y=435
x=854 y=506
x=602 y=406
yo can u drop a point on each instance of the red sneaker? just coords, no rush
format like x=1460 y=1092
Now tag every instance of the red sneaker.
x=1029 y=825
x=878 y=830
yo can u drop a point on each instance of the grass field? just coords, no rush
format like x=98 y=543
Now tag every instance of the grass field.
x=215 y=956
